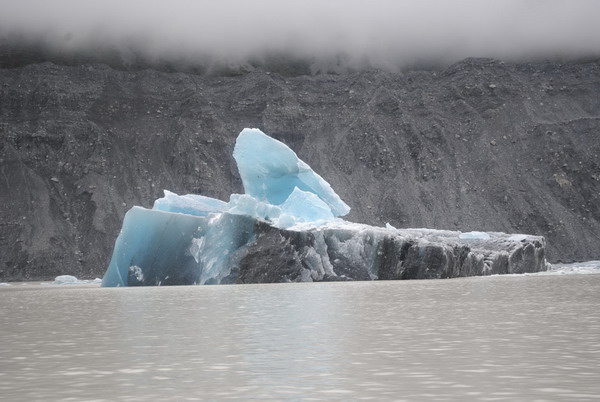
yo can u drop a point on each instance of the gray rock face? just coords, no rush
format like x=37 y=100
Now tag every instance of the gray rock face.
x=482 y=145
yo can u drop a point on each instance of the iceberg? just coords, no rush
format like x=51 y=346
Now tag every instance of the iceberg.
x=191 y=204
x=299 y=207
x=474 y=236
x=72 y=280
x=65 y=280
x=306 y=207
x=270 y=171
x=287 y=228
x=244 y=204
x=162 y=248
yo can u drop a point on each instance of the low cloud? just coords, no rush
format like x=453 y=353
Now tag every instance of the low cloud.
x=380 y=33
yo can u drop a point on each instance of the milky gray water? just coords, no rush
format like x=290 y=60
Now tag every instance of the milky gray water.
x=489 y=339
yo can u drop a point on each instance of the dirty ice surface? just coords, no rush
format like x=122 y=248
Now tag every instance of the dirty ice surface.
x=581 y=268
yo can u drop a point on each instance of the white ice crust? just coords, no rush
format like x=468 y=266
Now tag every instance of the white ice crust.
x=72 y=280
x=190 y=204
x=474 y=236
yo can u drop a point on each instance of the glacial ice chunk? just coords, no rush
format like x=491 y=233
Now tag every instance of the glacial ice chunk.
x=285 y=228
x=270 y=171
x=300 y=206
x=72 y=280
x=150 y=238
x=65 y=279
x=587 y=267
x=306 y=207
x=191 y=204
x=474 y=236
x=163 y=248
x=244 y=204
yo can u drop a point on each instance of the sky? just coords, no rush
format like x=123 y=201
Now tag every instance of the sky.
x=381 y=33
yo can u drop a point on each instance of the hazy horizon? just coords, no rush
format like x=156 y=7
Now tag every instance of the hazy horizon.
x=381 y=33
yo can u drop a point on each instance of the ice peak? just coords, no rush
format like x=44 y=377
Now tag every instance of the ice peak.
x=270 y=172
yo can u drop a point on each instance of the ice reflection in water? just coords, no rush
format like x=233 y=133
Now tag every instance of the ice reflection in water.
x=501 y=338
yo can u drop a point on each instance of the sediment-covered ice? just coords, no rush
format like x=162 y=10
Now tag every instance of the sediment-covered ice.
x=580 y=268
x=286 y=227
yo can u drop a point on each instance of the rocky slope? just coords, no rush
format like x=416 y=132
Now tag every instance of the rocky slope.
x=481 y=145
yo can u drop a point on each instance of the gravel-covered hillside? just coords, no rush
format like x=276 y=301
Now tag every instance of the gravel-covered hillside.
x=481 y=145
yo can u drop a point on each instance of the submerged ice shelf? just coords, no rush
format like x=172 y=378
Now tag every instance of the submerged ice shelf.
x=287 y=227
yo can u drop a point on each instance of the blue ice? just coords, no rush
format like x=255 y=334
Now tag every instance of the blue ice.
x=196 y=239
x=299 y=207
x=306 y=207
x=150 y=238
x=163 y=248
x=191 y=204
x=244 y=204
x=270 y=171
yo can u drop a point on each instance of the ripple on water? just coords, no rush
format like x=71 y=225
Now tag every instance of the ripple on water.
x=499 y=338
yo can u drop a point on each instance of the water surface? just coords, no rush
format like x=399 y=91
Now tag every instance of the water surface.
x=490 y=339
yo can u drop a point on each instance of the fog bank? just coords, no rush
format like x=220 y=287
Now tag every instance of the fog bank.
x=381 y=33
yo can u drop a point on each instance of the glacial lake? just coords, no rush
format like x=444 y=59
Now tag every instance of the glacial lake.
x=503 y=338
